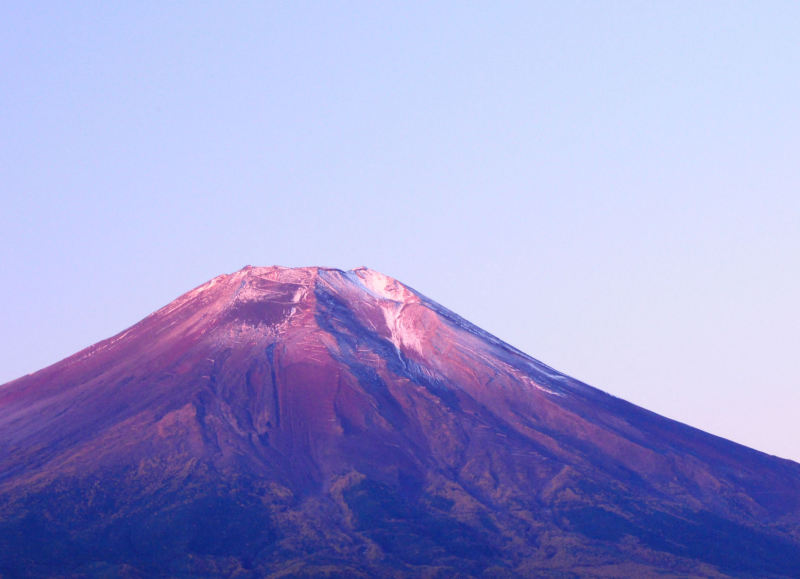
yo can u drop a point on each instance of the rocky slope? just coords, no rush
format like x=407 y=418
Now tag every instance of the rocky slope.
x=317 y=422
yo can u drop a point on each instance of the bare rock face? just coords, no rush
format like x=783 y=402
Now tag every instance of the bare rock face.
x=316 y=422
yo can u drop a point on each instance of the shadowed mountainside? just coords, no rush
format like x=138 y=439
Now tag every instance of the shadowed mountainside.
x=317 y=422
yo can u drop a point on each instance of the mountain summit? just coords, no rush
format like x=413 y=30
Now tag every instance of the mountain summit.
x=301 y=422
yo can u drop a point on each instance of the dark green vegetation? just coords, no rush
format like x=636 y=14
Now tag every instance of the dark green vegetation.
x=702 y=536
x=98 y=523
x=412 y=532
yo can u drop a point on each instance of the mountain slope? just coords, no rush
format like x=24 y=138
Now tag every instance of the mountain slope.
x=311 y=421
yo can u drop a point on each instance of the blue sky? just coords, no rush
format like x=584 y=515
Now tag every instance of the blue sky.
x=611 y=187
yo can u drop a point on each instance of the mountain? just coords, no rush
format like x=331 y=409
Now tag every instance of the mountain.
x=315 y=422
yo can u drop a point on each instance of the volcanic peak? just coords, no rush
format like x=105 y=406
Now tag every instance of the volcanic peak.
x=378 y=284
x=255 y=283
x=271 y=299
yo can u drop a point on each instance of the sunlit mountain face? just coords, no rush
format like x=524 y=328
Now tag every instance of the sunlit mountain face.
x=316 y=422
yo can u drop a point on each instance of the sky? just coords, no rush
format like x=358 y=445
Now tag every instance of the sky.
x=612 y=187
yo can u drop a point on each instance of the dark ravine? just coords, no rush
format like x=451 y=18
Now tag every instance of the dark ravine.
x=313 y=422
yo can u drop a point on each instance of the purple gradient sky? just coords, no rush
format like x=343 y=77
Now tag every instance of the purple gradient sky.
x=612 y=187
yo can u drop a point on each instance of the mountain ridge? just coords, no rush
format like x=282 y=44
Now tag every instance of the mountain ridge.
x=330 y=421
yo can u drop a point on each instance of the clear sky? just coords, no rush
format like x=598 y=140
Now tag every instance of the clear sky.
x=612 y=187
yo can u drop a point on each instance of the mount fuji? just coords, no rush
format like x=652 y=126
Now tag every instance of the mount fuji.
x=314 y=422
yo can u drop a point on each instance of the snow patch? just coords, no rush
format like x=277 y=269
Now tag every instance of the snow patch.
x=530 y=383
x=404 y=333
x=299 y=294
x=384 y=286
